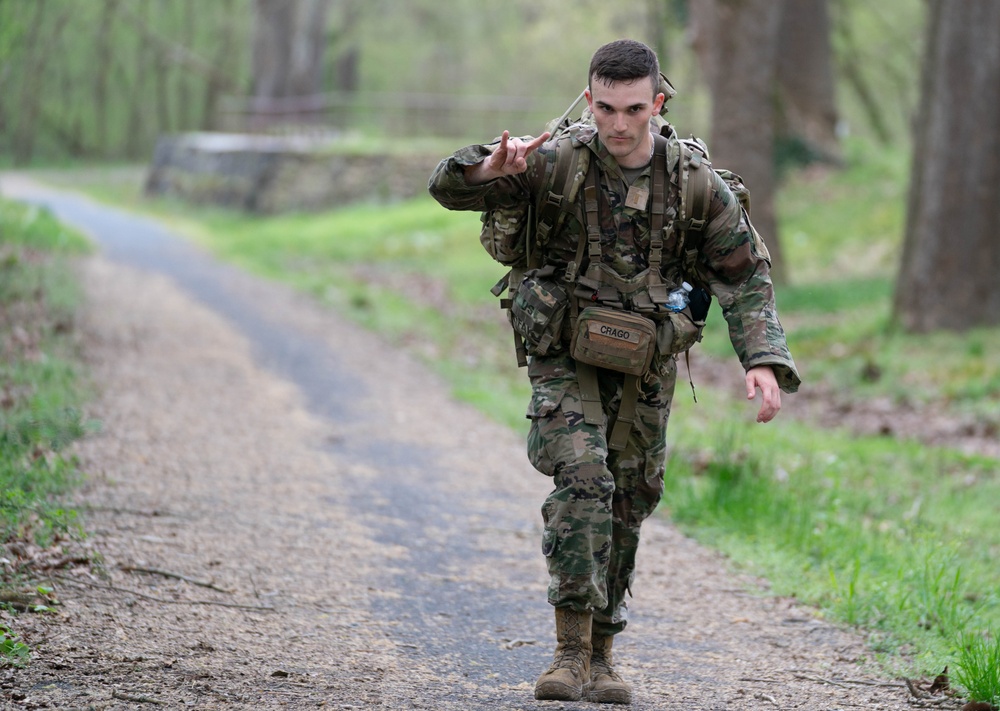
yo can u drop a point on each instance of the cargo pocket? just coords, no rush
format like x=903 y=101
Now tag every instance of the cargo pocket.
x=550 y=537
x=650 y=489
x=543 y=410
x=550 y=541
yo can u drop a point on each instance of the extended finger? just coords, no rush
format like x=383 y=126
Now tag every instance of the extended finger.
x=515 y=151
x=498 y=159
x=505 y=147
x=535 y=143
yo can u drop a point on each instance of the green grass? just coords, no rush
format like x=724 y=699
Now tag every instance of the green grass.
x=979 y=667
x=13 y=652
x=41 y=388
x=893 y=536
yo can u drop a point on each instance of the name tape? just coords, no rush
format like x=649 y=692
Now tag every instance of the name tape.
x=616 y=332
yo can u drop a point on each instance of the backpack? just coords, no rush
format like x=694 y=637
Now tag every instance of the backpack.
x=510 y=235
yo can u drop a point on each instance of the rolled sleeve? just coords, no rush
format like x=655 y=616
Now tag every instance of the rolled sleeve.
x=448 y=186
x=738 y=274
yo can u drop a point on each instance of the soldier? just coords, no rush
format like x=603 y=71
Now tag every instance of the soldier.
x=597 y=281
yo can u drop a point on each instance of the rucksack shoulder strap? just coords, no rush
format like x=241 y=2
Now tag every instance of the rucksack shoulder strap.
x=563 y=180
x=659 y=182
x=695 y=186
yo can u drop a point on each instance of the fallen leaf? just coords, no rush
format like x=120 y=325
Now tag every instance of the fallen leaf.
x=940 y=682
x=978 y=706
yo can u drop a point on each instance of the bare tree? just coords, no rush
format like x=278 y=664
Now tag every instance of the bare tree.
x=185 y=100
x=737 y=43
x=346 y=63
x=288 y=47
x=657 y=11
x=38 y=51
x=136 y=107
x=851 y=61
x=948 y=276
x=214 y=84
x=807 y=107
x=161 y=79
x=103 y=52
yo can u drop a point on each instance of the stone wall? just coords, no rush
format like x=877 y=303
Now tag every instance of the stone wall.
x=269 y=174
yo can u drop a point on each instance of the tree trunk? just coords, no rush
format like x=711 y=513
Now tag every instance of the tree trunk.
x=28 y=104
x=949 y=271
x=656 y=12
x=737 y=41
x=162 y=69
x=850 y=62
x=222 y=61
x=347 y=65
x=807 y=108
x=137 y=95
x=102 y=77
x=185 y=90
x=289 y=41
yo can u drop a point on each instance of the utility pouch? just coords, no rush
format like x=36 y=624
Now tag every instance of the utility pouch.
x=503 y=234
x=618 y=340
x=538 y=310
x=678 y=332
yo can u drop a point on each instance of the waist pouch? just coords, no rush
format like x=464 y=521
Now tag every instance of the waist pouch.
x=503 y=234
x=617 y=340
x=678 y=332
x=537 y=312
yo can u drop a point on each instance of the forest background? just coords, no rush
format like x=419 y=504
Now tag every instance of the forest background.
x=104 y=78
x=887 y=525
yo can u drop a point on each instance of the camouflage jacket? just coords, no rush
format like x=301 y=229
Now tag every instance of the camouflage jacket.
x=733 y=264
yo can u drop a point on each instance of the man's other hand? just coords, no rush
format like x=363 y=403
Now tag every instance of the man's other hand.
x=762 y=378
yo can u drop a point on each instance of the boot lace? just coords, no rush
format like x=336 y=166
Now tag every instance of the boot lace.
x=569 y=657
x=600 y=665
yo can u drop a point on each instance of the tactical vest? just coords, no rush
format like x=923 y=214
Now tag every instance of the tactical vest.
x=607 y=321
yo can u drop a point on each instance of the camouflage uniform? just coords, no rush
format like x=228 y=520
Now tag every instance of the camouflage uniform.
x=593 y=515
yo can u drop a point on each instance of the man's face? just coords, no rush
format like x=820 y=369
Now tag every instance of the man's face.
x=622 y=112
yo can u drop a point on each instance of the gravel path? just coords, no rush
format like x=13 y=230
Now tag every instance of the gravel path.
x=372 y=543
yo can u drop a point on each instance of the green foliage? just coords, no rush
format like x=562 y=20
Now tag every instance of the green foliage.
x=882 y=534
x=103 y=79
x=878 y=47
x=978 y=667
x=889 y=535
x=27 y=226
x=846 y=224
x=13 y=652
x=40 y=389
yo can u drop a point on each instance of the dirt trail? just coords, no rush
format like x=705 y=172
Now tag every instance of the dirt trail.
x=375 y=542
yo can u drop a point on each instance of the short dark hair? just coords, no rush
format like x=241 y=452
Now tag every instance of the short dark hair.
x=624 y=60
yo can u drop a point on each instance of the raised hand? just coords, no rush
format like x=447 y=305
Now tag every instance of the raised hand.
x=509 y=158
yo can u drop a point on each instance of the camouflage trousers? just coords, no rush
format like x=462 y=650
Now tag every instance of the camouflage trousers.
x=601 y=497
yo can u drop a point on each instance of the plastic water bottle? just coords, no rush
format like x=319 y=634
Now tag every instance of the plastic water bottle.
x=679 y=298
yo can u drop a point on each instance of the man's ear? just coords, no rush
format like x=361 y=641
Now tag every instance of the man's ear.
x=658 y=103
x=590 y=99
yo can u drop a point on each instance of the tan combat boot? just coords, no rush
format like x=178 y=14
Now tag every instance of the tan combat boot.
x=569 y=675
x=606 y=687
